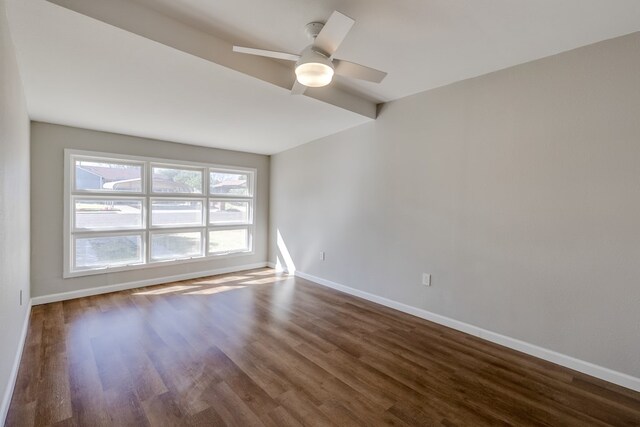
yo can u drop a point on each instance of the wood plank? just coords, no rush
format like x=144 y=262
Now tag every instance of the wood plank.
x=262 y=348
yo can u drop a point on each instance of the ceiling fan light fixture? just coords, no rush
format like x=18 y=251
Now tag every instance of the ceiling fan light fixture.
x=314 y=69
x=314 y=74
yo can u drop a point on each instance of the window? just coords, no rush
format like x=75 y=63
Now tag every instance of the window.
x=95 y=175
x=221 y=241
x=231 y=211
x=127 y=212
x=176 y=212
x=228 y=183
x=176 y=180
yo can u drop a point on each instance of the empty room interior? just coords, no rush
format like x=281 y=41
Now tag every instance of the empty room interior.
x=319 y=213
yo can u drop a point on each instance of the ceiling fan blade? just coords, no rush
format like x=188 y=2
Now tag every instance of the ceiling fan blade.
x=298 y=88
x=267 y=53
x=333 y=32
x=357 y=71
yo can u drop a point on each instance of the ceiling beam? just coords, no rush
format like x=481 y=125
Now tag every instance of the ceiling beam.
x=135 y=18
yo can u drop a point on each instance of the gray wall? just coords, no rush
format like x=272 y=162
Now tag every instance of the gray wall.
x=47 y=194
x=519 y=191
x=14 y=208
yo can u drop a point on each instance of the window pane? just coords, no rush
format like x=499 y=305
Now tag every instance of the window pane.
x=166 y=246
x=229 y=183
x=105 y=176
x=107 y=214
x=170 y=180
x=176 y=213
x=228 y=240
x=229 y=211
x=105 y=251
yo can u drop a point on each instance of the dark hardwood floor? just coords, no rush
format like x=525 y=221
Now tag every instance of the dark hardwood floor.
x=258 y=348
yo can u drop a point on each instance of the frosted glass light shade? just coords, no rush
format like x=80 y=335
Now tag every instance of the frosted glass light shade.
x=314 y=74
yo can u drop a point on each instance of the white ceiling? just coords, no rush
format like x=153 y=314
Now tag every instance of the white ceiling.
x=422 y=44
x=83 y=72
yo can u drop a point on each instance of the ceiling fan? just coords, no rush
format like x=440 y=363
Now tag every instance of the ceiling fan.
x=315 y=65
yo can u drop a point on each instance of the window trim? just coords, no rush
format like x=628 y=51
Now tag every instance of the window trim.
x=147 y=163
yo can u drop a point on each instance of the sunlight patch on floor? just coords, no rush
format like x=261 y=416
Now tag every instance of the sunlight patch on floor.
x=263 y=281
x=262 y=273
x=220 y=280
x=168 y=290
x=216 y=290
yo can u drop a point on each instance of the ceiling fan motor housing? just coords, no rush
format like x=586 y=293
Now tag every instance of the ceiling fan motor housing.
x=312 y=29
x=313 y=54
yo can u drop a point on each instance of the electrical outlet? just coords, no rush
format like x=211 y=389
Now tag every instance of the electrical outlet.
x=322 y=257
x=426 y=279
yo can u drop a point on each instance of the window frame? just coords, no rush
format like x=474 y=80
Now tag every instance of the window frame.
x=147 y=196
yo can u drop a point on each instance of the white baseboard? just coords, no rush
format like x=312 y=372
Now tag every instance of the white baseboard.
x=8 y=392
x=588 y=368
x=63 y=296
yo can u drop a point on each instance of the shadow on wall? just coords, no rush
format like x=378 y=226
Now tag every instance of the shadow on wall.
x=284 y=262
